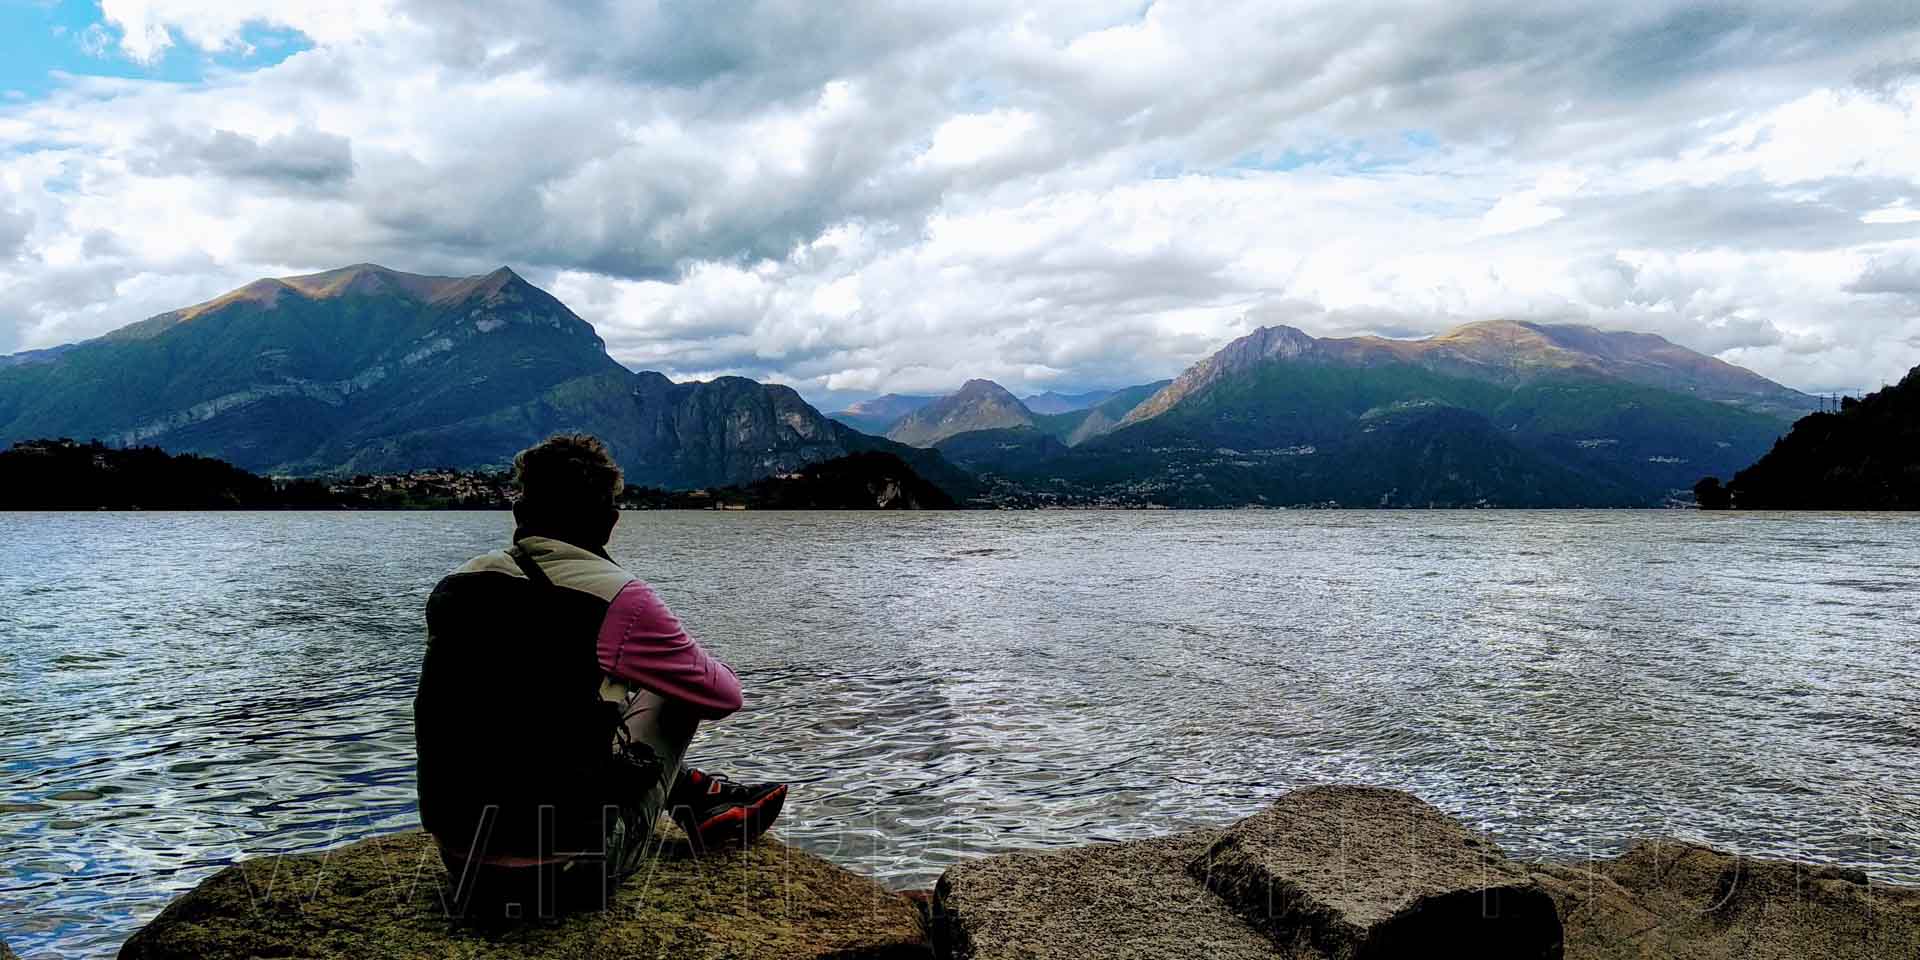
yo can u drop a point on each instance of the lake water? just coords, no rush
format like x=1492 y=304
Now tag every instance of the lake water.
x=180 y=690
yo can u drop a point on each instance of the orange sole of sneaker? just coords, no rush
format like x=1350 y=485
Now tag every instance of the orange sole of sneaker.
x=736 y=827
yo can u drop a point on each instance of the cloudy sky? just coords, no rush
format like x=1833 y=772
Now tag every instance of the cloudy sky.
x=899 y=196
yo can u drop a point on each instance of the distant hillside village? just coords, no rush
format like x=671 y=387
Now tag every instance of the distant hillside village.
x=62 y=474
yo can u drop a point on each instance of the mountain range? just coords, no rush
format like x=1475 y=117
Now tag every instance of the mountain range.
x=1491 y=413
x=878 y=415
x=875 y=414
x=366 y=369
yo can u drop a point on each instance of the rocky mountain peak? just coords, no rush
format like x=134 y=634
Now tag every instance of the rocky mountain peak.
x=1264 y=345
x=977 y=405
x=1278 y=342
x=1503 y=351
x=985 y=390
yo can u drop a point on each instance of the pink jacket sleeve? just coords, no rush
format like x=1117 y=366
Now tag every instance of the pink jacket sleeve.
x=643 y=643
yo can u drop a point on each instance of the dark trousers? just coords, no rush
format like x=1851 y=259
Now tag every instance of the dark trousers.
x=657 y=733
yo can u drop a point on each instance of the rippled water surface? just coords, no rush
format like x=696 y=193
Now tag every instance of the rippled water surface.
x=179 y=690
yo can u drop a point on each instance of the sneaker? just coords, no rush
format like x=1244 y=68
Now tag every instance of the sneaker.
x=718 y=814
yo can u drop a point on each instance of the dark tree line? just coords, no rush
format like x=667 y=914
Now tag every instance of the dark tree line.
x=859 y=481
x=64 y=474
x=68 y=475
x=1865 y=456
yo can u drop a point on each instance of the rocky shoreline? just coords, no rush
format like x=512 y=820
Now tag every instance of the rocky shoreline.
x=1326 y=872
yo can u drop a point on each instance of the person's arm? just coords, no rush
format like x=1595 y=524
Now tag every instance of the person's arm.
x=643 y=643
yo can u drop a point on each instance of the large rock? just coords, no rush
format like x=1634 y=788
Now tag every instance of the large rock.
x=382 y=898
x=1125 y=901
x=6 y=953
x=1364 y=872
x=1669 y=899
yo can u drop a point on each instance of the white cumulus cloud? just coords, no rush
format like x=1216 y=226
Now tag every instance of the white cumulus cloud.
x=874 y=196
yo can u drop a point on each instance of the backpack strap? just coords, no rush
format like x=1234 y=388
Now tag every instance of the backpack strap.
x=632 y=768
x=529 y=567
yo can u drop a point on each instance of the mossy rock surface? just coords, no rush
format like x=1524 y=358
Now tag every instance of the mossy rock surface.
x=1672 y=899
x=1104 y=901
x=384 y=897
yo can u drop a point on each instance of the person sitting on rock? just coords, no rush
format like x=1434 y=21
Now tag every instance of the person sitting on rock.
x=556 y=701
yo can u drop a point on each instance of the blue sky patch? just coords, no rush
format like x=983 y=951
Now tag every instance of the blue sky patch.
x=42 y=41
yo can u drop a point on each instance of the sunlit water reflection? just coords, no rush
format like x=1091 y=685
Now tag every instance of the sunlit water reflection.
x=178 y=690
